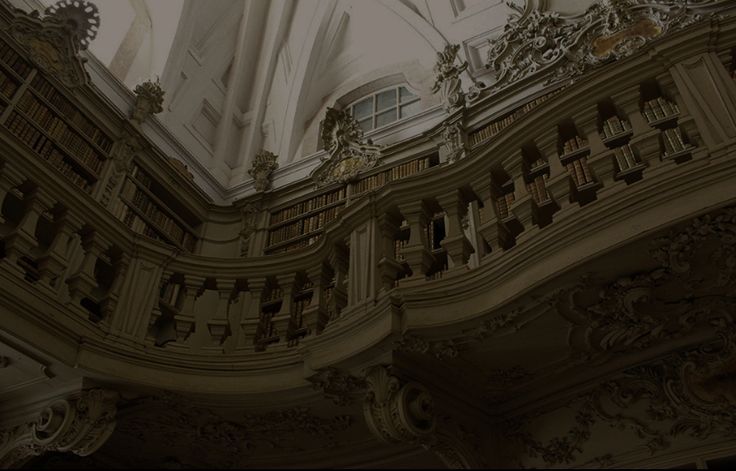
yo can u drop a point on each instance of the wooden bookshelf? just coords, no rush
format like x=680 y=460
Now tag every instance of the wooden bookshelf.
x=580 y=172
x=48 y=123
x=615 y=131
x=302 y=299
x=143 y=208
x=406 y=169
x=573 y=148
x=493 y=128
x=674 y=145
x=660 y=111
x=301 y=225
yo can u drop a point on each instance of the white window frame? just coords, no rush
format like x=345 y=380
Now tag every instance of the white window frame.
x=374 y=103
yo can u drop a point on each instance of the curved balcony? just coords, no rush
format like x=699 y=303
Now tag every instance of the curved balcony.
x=119 y=298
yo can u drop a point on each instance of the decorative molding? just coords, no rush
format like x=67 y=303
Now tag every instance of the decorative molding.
x=122 y=156
x=54 y=41
x=264 y=164
x=337 y=385
x=439 y=349
x=396 y=412
x=149 y=100
x=249 y=220
x=79 y=424
x=348 y=153
x=448 y=83
x=544 y=43
x=454 y=141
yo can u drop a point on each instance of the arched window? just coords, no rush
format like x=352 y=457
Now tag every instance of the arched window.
x=384 y=107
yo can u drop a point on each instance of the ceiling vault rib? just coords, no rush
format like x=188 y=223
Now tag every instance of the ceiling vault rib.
x=133 y=40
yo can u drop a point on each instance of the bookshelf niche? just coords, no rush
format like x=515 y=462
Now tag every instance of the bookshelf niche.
x=271 y=301
x=301 y=225
x=47 y=122
x=407 y=169
x=616 y=133
x=435 y=235
x=662 y=113
x=148 y=209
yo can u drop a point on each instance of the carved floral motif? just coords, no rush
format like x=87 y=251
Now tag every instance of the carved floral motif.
x=149 y=100
x=440 y=349
x=264 y=164
x=337 y=385
x=348 y=152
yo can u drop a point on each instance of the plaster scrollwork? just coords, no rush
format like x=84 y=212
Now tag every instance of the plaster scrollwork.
x=149 y=100
x=264 y=164
x=396 y=412
x=545 y=43
x=439 y=349
x=448 y=83
x=54 y=41
x=342 y=388
x=249 y=223
x=79 y=424
x=348 y=153
x=454 y=141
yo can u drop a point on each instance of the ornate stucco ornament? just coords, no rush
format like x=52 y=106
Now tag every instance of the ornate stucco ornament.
x=264 y=165
x=454 y=141
x=544 y=43
x=80 y=424
x=448 y=83
x=149 y=100
x=54 y=41
x=348 y=152
x=249 y=215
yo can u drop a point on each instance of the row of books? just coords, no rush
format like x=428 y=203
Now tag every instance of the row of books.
x=538 y=189
x=400 y=171
x=659 y=108
x=151 y=210
x=436 y=231
x=579 y=171
x=673 y=141
x=571 y=145
x=299 y=306
x=68 y=110
x=308 y=205
x=398 y=245
x=501 y=124
x=8 y=86
x=9 y=57
x=299 y=244
x=503 y=203
x=313 y=223
x=170 y=294
x=303 y=226
x=614 y=126
x=142 y=177
x=137 y=224
x=625 y=158
x=58 y=130
x=43 y=146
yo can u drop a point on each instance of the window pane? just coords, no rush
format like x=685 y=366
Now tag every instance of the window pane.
x=411 y=109
x=386 y=117
x=363 y=108
x=385 y=100
x=405 y=94
x=366 y=124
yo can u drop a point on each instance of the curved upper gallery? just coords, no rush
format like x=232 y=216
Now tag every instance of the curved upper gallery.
x=246 y=76
x=527 y=198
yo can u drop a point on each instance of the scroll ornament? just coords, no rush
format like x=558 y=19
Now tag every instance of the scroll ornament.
x=538 y=43
x=349 y=153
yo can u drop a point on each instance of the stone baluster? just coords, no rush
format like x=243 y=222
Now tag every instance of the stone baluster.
x=558 y=184
x=388 y=267
x=338 y=259
x=458 y=246
x=314 y=315
x=218 y=325
x=252 y=317
x=120 y=264
x=186 y=320
x=55 y=260
x=489 y=228
x=282 y=319
x=83 y=281
x=416 y=252
x=22 y=239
